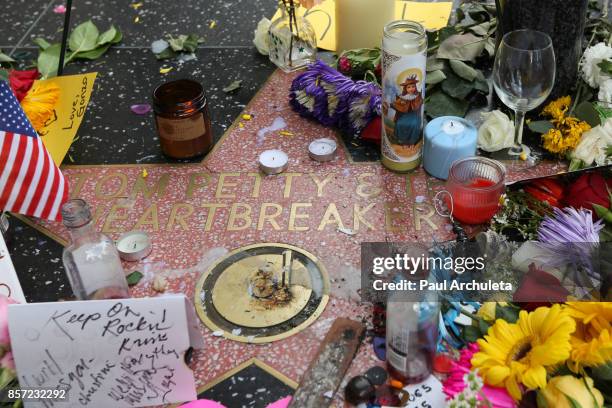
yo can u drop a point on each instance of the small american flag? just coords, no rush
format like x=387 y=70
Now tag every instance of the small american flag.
x=30 y=182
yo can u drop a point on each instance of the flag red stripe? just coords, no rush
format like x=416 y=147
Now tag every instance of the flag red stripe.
x=23 y=191
x=37 y=197
x=14 y=172
x=52 y=194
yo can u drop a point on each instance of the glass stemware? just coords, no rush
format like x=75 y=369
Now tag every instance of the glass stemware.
x=523 y=76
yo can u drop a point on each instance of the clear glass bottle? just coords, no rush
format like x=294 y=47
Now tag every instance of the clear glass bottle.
x=292 y=39
x=412 y=338
x=91 y=260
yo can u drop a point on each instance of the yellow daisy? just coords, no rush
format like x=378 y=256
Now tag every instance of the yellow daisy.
x=39 y=103
x=515 y=354
x=592 y=340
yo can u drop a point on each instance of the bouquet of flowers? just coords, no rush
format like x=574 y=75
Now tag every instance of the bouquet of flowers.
x=8 y=375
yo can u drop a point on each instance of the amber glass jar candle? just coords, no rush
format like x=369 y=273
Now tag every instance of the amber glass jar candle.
x=181 y=118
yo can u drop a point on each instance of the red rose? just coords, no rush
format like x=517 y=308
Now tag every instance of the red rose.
x=344 y=65
x=21 y=81
x=371 y=132
x=548 y=190
x=378 y=70
x=539 y=288
x=590 y=188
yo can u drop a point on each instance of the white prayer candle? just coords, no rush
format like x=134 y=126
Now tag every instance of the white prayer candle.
x=360 y=23
x=273 y=161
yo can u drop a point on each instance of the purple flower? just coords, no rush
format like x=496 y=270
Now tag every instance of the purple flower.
x=572 y=238
x=569 y=225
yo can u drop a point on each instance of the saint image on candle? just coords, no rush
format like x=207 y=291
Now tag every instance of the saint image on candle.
x=407 y=120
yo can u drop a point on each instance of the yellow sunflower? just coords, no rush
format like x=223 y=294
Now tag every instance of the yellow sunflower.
x=592 y=340
x=518 y=353
x=39 y=103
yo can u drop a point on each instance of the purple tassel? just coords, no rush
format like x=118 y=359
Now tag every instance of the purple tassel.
x=324 y=94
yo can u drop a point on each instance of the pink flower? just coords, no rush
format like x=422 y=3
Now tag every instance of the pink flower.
x=59 y=9
x=5 y=340
x=454 y=384
x=7 y=361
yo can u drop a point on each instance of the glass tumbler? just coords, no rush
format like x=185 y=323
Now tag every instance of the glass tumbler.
x=475 y=185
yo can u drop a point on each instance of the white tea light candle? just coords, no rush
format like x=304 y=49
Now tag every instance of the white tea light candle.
x=447 y=138
x=322 y=150
x=273 y=161
x=134 y=246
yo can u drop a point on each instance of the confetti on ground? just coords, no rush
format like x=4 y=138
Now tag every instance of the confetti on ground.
x=141 y=108
x=59 y=9
x=165 y=70
x=285 y=133
x=246 y=116
x=136 y=6
x=212 y=24
x=136 y=19
x=241 y=125
x=145 y=173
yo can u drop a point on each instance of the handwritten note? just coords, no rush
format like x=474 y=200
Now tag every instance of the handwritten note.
x=433 y=16
x=106 y=353
x=9 y=283
x=426 y=394
x=59 y=131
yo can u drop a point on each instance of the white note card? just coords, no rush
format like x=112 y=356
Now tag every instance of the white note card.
x=106 y=353
x=9 y=284
x=427 y=394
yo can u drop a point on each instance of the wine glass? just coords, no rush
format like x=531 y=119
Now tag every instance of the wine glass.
x=523 y=76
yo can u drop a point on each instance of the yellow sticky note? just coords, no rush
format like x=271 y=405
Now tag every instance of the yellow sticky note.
x=432 y=16
x=59 y=131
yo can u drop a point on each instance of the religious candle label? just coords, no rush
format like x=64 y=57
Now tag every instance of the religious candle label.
x=106 y=353
x=403 y=66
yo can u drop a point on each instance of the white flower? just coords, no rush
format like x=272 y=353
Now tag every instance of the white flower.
x=605 y=91
x=261 y=36
x=593 y=144
x=591 y=57
x=496 y=132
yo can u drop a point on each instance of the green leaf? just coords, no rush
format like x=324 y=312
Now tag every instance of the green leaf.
x=463 y=70
x=586 y=111
x=108 y=36
x=84 y=37
x=481 y=85
x=447 y=32
x=4 y=74
x=48 y=61
x=233 y=86
x=434 y=64
x=575 y=164
x=456 y=87
x=573 y=402
x=42 y=43
x=464 y=47
x=93 y=54
x=481 y=29
x=606 y=66
x=191 y=43
x=490 y=46
x=183 y=42
x=118 y=37
x=471 y=334
x=440 y=104
x=604 y=113
x=507 y=313
x=434 y=77
x=5 y=58
x=134 y=277
x=540 y=126
x=483 y=326
x=165 y=54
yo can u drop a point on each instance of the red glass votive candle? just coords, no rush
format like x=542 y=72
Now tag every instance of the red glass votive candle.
x=475 y=185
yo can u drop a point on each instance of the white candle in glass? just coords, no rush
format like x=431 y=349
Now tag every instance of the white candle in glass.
x=360 y=23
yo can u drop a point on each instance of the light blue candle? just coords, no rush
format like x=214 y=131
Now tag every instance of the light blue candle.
x=447 y=138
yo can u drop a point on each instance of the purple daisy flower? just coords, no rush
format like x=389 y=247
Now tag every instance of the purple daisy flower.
x=572 y=238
